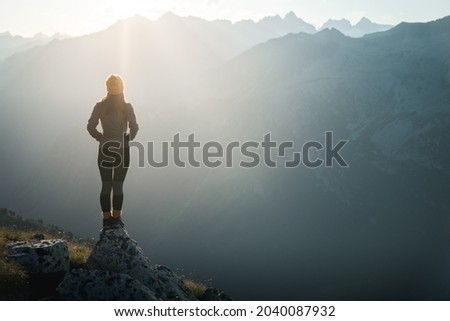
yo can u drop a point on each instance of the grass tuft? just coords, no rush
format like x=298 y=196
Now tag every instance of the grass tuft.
x=197 y=288
x=78 y=254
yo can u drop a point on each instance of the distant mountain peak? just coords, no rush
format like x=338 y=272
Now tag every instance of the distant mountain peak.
x=364 y=20
x=169 y=15
x=5 y=34
x=329 y=33
x=363 y=27
x=60 y=36
x=339 y=20
x=342 y=21
x=365 y=23
x=134 y=22
x=271 y=18
x=136 y=19
x=139 y=17
x=290 y=16
x=342 y=25
x=40 y=36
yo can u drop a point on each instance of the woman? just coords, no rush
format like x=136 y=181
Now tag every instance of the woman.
x=114 y=151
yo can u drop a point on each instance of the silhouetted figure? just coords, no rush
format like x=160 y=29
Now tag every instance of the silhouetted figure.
x=113 y=160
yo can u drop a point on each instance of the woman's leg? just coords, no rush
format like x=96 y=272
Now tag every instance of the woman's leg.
x=120 y=173
x=106 y=174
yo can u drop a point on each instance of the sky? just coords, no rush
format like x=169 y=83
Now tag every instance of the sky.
x=28 y=17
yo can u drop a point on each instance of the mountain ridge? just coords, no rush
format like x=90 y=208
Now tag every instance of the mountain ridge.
x=275 y=25
x=10 y=45
x=363 y=27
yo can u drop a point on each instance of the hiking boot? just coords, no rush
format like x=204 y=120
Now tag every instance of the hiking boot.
x=108 y=223
x=106 y=215
x=116 y=213
x=117 y=222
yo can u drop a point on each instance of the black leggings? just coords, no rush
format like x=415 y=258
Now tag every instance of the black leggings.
x=113 y=166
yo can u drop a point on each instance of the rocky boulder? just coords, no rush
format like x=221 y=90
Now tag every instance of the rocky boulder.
x=40 y=256
x=116 y=252
x=98 y=285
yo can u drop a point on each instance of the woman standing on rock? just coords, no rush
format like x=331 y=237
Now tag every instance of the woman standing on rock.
x=113 y=160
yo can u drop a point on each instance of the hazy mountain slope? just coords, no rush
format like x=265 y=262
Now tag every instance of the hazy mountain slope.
x=361 y=28
x=382 y=224
x=365 y=26
x=10 y=44
x=376 y=230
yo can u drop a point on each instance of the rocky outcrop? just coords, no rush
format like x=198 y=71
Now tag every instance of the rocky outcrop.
x=97 y=285
x=123 y=259
x=214 y=294
x=117 y=252
x=40 y=256
x=169 y=286
x=117 y=268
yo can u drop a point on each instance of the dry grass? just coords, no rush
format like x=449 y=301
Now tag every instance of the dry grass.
x=196 y=287
x=9 y=234
x=13 y=279
x=78 y=254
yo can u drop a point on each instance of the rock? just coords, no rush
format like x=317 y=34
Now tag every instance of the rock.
x=213 y=294
x=117 y=252
x=40 y=256
x=170 y=286
x=38 y=237
x=97 y=285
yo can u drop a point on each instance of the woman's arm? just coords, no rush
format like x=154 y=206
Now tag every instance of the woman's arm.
x=131 y=117
x=93 y=122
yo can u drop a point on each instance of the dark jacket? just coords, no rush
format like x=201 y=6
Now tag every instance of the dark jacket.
x=115 y=118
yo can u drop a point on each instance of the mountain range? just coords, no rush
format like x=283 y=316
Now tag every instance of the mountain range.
x=376 y=230
x=10 y=44
x=363 y=27
x=247 y=31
